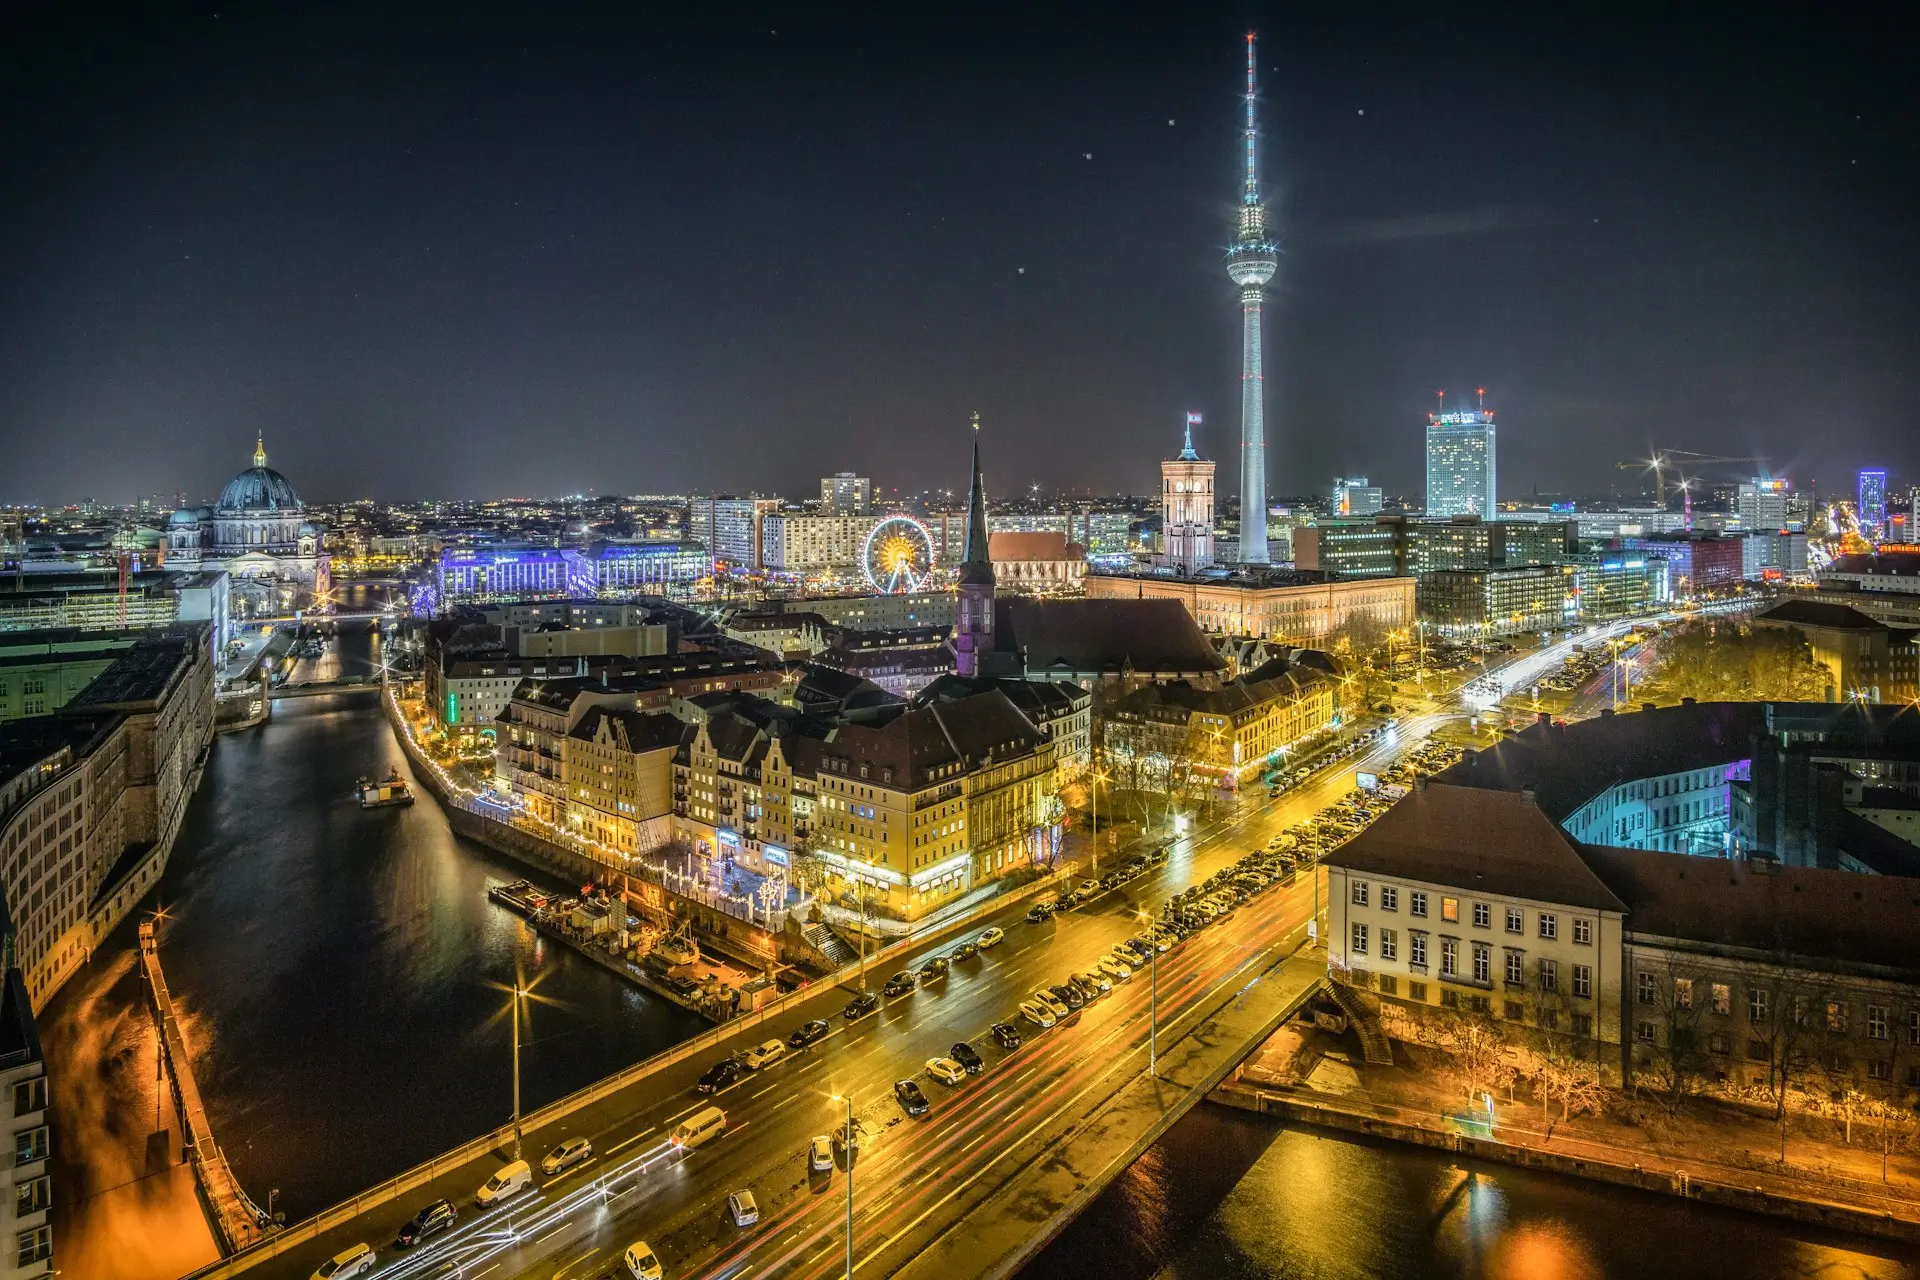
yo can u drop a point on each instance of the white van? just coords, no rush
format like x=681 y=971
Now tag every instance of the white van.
x=510 y=1181
x=700 y=1127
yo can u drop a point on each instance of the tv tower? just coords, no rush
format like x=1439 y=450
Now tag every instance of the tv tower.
x=1250 y=264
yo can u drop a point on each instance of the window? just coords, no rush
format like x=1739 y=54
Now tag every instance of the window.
x=1880 y=1069
x=1482 y=962
x=1549 y=926
x=1877 y=1027
x=1482 y=915
x=1643 y=1031
x=1389 y=898
x=1550 y=975
x=1583 y=1025
x=31 y=1196
x=1550 y=1019
x=1389 y=944
x=1643 y=987
x=1449 y=957
x=1722 y=999
x=1389 y=985
x=1683 y=993
x=1583 y=981
x=1359 y=945
x=1450 y=909
x=1837 y=1016
x=1582 y=931
x=1913 y=1026
x=30 y=1145
x=1417 y=949
x=1516 y=967
x=1717 y=1043
x=35 y=1246
x=1759 y=1051
x=30 y=1095
x=1516 y=920
x=1359 y=893
x=1416 y=902
x=1756 y=1004
x=1418 y=991
x=1514 y=1011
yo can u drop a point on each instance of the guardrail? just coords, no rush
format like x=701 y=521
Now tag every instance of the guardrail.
x=422 y=1174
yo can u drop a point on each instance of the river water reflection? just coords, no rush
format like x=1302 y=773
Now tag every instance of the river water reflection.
x=342 y=978
x=1232 y=1196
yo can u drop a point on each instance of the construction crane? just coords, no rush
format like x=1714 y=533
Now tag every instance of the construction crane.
x=1665 y=460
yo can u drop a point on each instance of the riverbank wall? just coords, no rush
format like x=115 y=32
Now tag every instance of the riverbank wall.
x=1775 y=1201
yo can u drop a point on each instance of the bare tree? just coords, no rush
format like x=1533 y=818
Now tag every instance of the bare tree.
x=1562 y=1069
x=1482 y=1059
x=1677 y=1053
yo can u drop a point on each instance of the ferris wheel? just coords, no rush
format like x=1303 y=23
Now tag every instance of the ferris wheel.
x=898 y=555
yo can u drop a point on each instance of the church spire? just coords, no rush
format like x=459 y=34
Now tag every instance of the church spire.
x=978 y=563
x=973 y=616
x=260 y=450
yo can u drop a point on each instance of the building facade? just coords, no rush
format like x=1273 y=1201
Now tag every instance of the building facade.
x=845 y=494
x=1296 y=608
x=257 y=534
x=729 y=528
x=793 y=542
x=1353 y=496
x=1186 y=508
x=1497 y=602
x=1461 y=464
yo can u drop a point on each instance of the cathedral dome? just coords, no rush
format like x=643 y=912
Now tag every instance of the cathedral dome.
x=182 y=517
x=259 y=488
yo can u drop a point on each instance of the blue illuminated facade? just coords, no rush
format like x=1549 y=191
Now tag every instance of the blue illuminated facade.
x=482 y=574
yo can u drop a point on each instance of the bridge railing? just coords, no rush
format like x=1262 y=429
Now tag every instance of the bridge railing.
x=429 y=1171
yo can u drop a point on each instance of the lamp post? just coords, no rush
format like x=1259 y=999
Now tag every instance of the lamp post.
x=519 y=993
x=1153 y=1007
x=848 y=1100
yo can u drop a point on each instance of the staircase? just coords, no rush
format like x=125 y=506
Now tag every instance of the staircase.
x=1365 y=1020
x=830 y=944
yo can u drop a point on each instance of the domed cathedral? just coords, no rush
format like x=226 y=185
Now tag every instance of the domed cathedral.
x=259 y=535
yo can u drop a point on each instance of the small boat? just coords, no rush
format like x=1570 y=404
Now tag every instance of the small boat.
x=389 y=791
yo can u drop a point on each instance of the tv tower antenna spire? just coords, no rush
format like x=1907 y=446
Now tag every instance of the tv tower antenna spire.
x=1250 y=264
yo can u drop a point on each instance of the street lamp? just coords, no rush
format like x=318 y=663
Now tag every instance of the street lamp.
x=1098 y=778
x=848 y=1100
x=1153 y=1008
x=519 y=994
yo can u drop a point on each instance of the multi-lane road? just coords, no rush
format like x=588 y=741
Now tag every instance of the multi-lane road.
x=914 y=1178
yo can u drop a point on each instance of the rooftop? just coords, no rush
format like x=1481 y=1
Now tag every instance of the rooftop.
x=1109 y=636
x=1478 y=841
x=143 y=673
x=1816 y=613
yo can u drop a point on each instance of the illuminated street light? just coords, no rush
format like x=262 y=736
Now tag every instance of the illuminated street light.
x=848 y=1100
x=1153 y=1007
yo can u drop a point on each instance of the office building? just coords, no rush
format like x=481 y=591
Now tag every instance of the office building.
x=1497 y=602
x=1618 y=584
x=507 y=573
x=1872 y=508
x=845 y=494
x=1760 y=504
x=1698 y=564
x=1461 y=467
x=26 y=1197
x=1291 y=606
x=729 y=528
x=1353 y=496
x=1352 y=548
x=792 y=542
x=1186 y=508
x=1392 y=545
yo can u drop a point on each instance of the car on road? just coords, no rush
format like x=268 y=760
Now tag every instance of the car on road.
x=965 y=1054
x=765 y=1054
x=719 y=1076
x=911 y=1100
x=568 y=1154
x=509 y=1180
x=965 y=951
x=1006 y=1035
x=430 y=1221
x=860 y=1006
x=806 y=1033
x=1039 y=913
x=991 y=937
x=742 y=1209
x=935 y=967
x=900 y=983
x=642 y=1263
x=946 y=1071
x=1040 y=1015
x=346 y=1264
x=1115 y=969
x=820 y=1154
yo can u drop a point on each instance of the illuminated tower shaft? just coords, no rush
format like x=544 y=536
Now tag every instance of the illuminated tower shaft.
x=1250 y=264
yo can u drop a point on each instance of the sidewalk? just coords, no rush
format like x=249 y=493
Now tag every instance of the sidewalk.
x=1704 y=1148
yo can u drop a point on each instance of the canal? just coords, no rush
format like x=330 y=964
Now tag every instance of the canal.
x=343 y=983
x=1227 y=1195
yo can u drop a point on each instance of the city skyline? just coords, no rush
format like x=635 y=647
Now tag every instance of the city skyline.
x=365 y=293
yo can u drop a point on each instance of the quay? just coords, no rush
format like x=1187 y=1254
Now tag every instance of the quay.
x=237 y=1222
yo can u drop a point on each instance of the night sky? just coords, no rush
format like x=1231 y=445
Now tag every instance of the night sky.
x=495 y=251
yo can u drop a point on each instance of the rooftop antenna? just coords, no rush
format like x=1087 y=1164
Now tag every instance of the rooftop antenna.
x=1443 y=401
x=1482 y=393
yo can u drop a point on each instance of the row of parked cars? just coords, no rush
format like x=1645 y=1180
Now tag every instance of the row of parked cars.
x=1093 y=886
x=1283 y=781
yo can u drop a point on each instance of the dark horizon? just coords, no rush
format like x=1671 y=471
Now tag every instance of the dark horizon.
x=508 y=252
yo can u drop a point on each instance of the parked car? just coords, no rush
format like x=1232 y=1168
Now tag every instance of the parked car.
x=1039 y=913
x=1068 y=994
x=991 y=936
x=1094 y=982
x=1006 y=1035
x=430 y=1221
x=509 y=1180
x=965 y=1054
x=1040 y=1015
x=860 y=1006
x=806 y=1033
x=965 y=951
x=568 y=1154
x=820 y=1155
x=719 y=1076
x=742 y=1209
x=911 y=1100
x=346 y=1264
x=900 y=983
x=946 y=1071
x=1115 y=969
x=765 y=1054
x=935 y=967
x=1058 y=1007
